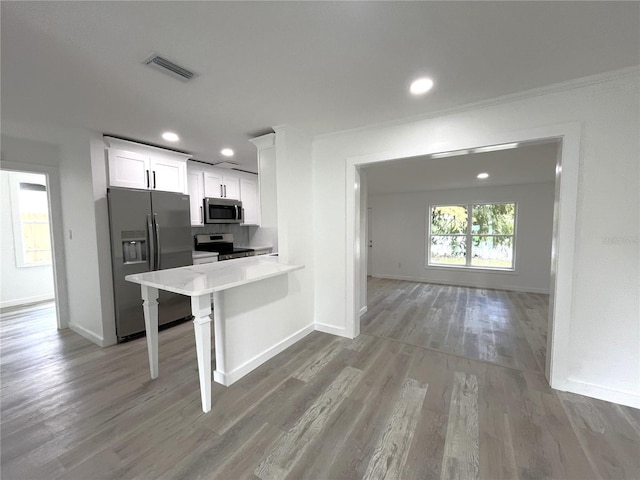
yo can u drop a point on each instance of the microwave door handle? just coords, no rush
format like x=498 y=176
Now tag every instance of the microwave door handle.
x=152 y=248
x=157 y=229
x=237 y=217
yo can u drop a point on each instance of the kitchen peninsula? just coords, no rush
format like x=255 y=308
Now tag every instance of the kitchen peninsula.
x=239 y=305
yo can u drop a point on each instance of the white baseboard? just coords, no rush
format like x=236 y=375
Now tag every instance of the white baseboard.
x=511 y=288
x=363 y=310
x=629 y=399
x=27 y=300
x=88 y=334
x=230 y=378
x=324 y=328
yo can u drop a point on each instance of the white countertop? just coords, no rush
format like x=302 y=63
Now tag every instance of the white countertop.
x=194 y=280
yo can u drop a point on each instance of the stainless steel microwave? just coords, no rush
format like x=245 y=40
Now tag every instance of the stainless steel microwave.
x=223 y=210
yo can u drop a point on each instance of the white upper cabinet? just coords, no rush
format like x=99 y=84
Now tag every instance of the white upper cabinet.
x=221 y=183
x=250 y=198
x=168 y=174
x=195 y=185
x=209 y=181
x=128 y=169
x=213 y=187
x=133 y=165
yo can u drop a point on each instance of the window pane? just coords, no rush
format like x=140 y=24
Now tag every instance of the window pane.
x=496 y=252
x=495 y=219
x=448 y=220
x=448 y=250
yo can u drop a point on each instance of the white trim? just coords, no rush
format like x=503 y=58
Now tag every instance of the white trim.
x=569 y=85
x=324 y=328
x=230 y=378
x=88 y=334
x=510 y=288
x=566 y=195
x=363 y=310
x=26 y=300
x=621 y=397
x=141 y=148
x=54 y=198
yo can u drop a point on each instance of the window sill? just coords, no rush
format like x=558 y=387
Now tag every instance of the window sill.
x=466 y=268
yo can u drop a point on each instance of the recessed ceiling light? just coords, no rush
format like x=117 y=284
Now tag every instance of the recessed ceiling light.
x=483 y=175
x=170 y=137
x=227 y=152
x=421 y=86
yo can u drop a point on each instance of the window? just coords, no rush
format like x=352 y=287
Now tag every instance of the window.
x=30 y=211
x=475 y=235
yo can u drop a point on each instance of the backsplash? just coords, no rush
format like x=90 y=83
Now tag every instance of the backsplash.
x=240 y=234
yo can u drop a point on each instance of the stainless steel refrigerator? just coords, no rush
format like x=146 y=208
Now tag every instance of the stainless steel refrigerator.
x=150 y=230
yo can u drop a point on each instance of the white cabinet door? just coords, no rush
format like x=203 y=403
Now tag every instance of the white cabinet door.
x=231 y=187
x=128 y=169
x=168 y=175
x=195 y=184
x=249 y=197
x=213 y=184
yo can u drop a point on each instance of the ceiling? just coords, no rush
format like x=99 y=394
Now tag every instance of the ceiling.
x=533 y=163
x=318 y=66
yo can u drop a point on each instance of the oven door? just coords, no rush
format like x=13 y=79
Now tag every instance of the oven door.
x=219 y=210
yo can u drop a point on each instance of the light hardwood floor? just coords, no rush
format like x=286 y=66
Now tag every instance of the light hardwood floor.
x=325 y=408
x=508 y=328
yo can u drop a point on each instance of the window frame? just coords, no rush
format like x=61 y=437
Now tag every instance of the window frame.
x=468 y=235
x=15 y=178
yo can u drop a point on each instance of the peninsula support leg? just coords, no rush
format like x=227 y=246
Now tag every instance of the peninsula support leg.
x=201 y=310
x=150 y=308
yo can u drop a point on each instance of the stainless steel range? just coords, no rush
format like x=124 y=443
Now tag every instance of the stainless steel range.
x=223 y=244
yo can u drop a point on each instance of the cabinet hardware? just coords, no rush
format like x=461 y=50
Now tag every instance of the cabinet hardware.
x=201 y=216
x=147 y=178
x=225 y=191
x=154 y=179
x=221 y=194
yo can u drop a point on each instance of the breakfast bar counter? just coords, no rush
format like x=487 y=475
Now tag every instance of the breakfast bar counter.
x=200 y=282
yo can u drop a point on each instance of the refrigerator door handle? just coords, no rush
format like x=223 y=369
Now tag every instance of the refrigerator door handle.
x=157 y=229
x=152 y=244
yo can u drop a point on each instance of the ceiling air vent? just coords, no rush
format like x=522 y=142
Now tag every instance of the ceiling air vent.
x=170 y=68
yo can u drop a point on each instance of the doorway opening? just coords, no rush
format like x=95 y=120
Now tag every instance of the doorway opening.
x=563 y=230
x=463 y=252
x=33 y=272
x=27 y=257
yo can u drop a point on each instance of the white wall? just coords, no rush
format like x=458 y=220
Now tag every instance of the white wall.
x=399 y=234
x=295 y=220
x=18 y=285
x=69 y=152
x=604 y=351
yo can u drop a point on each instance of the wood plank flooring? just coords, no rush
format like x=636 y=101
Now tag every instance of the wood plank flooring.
x=508 y=328
x=326 y=408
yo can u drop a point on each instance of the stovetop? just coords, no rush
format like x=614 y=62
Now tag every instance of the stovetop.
x=219 y=242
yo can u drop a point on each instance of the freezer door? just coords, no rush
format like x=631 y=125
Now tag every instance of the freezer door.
x=172 y=229
x=129 y=211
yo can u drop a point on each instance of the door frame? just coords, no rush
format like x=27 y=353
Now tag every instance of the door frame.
x=563 y=241
x=56 y=230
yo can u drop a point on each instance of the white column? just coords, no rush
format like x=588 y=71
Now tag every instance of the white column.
x=150 y=308
x=201 y=310
x=220 y=374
